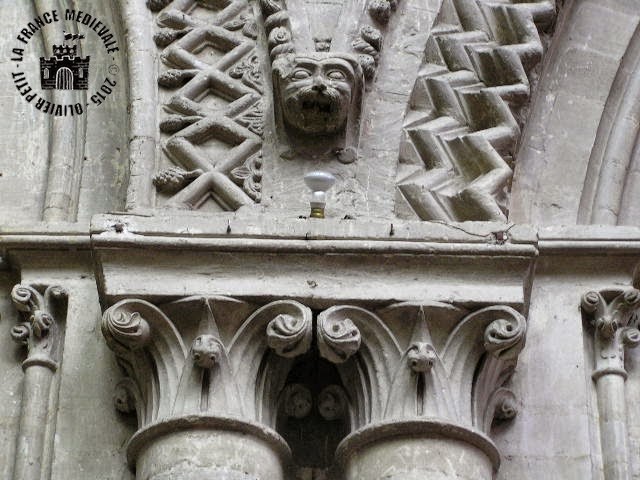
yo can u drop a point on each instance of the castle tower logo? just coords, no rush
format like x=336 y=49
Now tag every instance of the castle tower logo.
x=71 y=80
x=65 y=70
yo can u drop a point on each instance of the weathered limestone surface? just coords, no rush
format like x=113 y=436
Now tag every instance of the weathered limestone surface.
x=179 y=314
x=11 y=377
x=562 y=134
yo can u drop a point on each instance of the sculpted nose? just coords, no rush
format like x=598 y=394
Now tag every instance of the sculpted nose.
x=319 y=85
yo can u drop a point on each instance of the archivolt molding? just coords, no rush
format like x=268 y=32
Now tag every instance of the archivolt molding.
x=461 y=127
x=212 y=89
x=612 y=182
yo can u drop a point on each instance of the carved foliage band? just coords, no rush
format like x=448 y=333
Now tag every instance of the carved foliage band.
x=460 y=380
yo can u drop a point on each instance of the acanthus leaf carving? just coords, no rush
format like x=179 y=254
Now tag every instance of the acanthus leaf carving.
x=284 y=326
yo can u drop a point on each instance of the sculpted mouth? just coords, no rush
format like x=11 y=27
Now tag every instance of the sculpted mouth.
x=320 y=105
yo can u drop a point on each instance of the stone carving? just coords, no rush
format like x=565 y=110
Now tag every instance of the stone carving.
x=297 y=401
x=421 y=357
x=206 y=351
x=457 y=383
x=492 y=339
x=289 y=336
x=461 y=127
x=41 y=331
x=449 y=389
x=338 y=337
x=613 y=316
x=333 y=403
x=249 y=176
x=215 y=119
x=315 y=91
x=213 y=382
x=318 y=91
x=368 y=47
x=380 y=10
x=174 y=179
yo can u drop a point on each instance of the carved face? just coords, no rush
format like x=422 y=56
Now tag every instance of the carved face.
x=316 y=91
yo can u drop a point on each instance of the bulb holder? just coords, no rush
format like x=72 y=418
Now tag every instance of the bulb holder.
x=317 y=212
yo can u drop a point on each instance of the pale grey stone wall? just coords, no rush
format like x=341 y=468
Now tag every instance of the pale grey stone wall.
x=556 y=433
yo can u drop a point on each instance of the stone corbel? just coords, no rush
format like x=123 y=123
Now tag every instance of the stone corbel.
x=42 y=332
x=613 y=318
x=197 y=404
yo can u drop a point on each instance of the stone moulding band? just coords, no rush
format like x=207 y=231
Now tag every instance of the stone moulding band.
x=425 y=428
x=200 y=422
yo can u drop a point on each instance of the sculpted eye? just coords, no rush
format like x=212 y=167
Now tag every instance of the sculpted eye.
x=336 y=75
x=301 y=74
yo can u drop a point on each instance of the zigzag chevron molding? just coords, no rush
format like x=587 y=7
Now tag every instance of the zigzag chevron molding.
x=460 y=130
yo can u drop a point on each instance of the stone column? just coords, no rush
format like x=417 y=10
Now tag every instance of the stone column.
x=203 y=411
x=431 y=404
x=41 y=331
x=611 y=314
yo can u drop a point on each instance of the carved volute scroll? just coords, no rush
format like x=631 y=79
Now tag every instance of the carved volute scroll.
x=449 y=380
x=168 y=379
x=152 y=353
x=491 y=340
x=40 y=330
x=262 y=353
x=365 y=352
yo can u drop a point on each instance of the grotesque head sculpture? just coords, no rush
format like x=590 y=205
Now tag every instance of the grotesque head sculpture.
x=318 y=91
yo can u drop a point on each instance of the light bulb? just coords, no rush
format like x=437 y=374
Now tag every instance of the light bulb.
x=318 y=182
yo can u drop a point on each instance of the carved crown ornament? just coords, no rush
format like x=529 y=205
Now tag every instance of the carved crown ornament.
x=451 y=373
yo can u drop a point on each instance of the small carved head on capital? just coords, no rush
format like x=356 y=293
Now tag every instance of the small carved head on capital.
x=421 y=357
x=317 y=91
x=297 y=401
x=206 y=351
